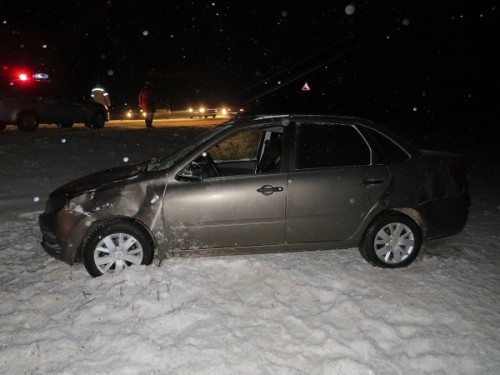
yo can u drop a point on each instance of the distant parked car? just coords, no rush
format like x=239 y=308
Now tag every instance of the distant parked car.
x=30 y=100
x=132 y=114
x=162 y=112
x=231 y=111
x=202 y=111
x=263 y=184
x=27 y=112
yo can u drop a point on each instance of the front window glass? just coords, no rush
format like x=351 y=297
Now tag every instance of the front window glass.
x=330 y=145
x=238 y=147
x=170 y=160
x=250 y=151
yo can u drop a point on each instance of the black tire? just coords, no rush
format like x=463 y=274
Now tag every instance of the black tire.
x=98 y=121
x=393 y=240
x=115 y=245
x=66 y=125
x=2 y=126
x=27 y=123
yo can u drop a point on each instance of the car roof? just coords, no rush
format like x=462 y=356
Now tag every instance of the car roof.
x=247 y=119
x=259 y=119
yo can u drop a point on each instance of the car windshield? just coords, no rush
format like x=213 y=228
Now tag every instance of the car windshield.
x=168 y=161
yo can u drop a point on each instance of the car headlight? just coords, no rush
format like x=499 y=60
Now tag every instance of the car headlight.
x=55 y=204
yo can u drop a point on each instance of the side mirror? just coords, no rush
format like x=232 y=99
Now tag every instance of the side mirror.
x=192 y=173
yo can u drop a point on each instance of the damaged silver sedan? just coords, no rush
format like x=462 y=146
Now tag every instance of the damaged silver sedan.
x=263 y=184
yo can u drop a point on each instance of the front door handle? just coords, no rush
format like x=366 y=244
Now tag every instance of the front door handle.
x=372 y=181
x=269 y=189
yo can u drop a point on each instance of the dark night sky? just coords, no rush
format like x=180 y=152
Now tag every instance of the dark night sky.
x=426 y=61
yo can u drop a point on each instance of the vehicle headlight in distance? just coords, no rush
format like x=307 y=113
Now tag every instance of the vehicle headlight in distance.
x=129 y=114
x=202 y=109
x=190 y=110
x=224 y=111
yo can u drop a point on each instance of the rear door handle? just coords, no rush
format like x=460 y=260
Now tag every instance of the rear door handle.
x=269 y=189
x=372 y=181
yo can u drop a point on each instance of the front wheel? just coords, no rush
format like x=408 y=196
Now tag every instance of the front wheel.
x=98 y=121
x=115 y=245
x=27 y=123
x=391 y=241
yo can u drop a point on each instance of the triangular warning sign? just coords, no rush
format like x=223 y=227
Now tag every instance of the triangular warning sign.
x=306 y=87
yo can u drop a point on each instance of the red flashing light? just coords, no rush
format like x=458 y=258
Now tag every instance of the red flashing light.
x=23 y=77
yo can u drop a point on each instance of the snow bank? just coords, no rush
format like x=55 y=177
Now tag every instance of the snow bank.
x=325 y=312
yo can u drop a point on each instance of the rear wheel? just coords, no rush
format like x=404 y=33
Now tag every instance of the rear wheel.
x=115 y=245
x=98 y=121
x=391 y=241
x=27 y=123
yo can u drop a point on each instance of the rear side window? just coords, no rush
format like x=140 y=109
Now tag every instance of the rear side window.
x=330 y=145
x=391 y=152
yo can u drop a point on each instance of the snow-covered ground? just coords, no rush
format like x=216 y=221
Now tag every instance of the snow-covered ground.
x=324 y=312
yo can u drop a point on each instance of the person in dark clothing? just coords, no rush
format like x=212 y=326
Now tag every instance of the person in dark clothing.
x=147 y=103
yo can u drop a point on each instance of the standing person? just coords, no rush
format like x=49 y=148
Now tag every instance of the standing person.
x=100 y=95
x=147 y=103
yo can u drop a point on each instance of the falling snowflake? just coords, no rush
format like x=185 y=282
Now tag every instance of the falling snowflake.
x=350 y=9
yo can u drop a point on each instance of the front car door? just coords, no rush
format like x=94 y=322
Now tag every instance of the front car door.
x=241 y=200
x=332 y=184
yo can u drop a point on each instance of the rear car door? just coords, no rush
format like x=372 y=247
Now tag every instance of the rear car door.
x=332 y=184
x=240 y=204
x=55 y=109
x=72 y=110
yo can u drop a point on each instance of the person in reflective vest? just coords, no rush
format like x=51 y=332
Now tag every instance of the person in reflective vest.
x=100 y=95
